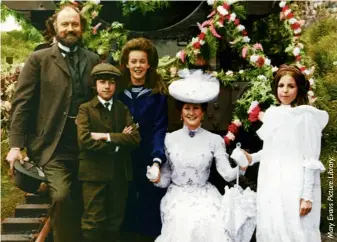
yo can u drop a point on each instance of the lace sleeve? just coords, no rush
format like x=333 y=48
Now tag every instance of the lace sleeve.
x=165 y=176
x=165 y=169
x=222 y=162
x=312 y=132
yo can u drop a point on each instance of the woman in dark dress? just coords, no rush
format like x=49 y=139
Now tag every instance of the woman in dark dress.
x=145 y=97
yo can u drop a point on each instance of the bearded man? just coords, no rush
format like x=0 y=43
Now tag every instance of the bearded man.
x=52 y=85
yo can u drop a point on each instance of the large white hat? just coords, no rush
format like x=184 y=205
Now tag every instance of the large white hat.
x=195 y=87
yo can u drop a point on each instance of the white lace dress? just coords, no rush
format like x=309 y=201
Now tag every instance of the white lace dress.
x=289 y=170
x=190 y=210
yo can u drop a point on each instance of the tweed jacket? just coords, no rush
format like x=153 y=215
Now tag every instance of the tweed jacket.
x=42 y=101
x=99 y=159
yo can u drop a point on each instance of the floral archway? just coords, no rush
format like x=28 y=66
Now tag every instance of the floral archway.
x=224 y=19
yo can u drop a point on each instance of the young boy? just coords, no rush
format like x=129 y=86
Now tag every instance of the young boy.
x=106 y=133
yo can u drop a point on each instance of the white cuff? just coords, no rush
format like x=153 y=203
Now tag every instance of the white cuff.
x=108 y=137
x=157 y=160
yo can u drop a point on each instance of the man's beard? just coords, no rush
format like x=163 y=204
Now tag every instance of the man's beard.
x=69 y=42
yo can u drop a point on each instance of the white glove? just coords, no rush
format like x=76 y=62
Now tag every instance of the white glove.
x=239 y=157
x=152 y=172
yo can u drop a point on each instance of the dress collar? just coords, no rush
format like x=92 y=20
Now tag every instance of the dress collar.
x=142 y=92
x=190 y=132
x=66 y=49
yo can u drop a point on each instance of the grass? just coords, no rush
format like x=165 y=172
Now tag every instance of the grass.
x=10 y=195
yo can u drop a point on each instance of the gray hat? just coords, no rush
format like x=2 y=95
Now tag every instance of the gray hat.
x=105 y=69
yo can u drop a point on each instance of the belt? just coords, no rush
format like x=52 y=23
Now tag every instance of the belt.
x=72 y=117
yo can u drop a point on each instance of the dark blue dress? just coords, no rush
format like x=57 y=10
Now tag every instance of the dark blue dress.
x=150 y=112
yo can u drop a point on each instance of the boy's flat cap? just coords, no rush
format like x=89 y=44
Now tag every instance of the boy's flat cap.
x=105 y=69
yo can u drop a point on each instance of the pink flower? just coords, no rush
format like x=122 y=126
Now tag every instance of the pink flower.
x=211 y=14
x=298 y=58
x=226 y=6
x=244 y=32
x=244 y=52
x=258 y=46
x=237 y=21
x=213 y=31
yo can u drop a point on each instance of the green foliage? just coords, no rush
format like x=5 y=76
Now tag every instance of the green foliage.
x=274 y=37
x=28 y=31
x=17 y=45
x=128 y=7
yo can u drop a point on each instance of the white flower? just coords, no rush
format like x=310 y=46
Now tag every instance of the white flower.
x=178 y=54
x=334 y=63
x=195 y=40
x=215 y=74
x=230 y=135
x=292 y=20
x=282 y=4
x=222 y=10
x=253 y=105
x=237 y=122
x=262 y=77
x=333 y=10
x=300 y=45
x=196 y=51
x=204 y=30
x=246 y=39
x=311 y=93
x=210 y=2
x=229 y=73
x=241 y=27
x=296 y=51
x=307 y=72
x=297 y=31
x=232 y=17
x=95 y=1
x=312 y=99
x=314 y=12
x=7 y=105
x=254 y=58
x=202 y=42
x=241 y=71
x=267 y=61
x=274 y=69
x=287 y=12
x=311 y=81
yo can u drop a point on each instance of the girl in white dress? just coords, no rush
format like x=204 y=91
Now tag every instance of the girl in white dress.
x=190 y=210
x=289 y=190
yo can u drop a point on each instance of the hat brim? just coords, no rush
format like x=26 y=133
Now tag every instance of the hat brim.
x=20 y=168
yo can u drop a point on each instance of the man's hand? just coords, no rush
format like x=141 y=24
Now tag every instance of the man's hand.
x=99 y=136
x=305 y=207
x=13 y=155
x=127 y=130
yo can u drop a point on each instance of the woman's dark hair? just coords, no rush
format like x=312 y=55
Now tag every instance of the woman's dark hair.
x=153 y=79
x=179 y=105
x=302 y=84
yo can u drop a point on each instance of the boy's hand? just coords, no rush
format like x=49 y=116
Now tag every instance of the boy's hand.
x=127 y=130
x=99 y=136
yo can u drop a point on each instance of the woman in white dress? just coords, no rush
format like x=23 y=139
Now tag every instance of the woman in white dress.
x=190 y=210
x=289 y=190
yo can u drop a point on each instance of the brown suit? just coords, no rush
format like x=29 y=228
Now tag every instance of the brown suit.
x=42 y=100
x=98 y=158
x=39 y=119
x=103 y=171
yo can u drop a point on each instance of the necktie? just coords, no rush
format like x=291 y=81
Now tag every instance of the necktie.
x=107 y=105
x=191 y=133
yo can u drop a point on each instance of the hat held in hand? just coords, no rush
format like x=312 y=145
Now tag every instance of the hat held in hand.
x=28 y=177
